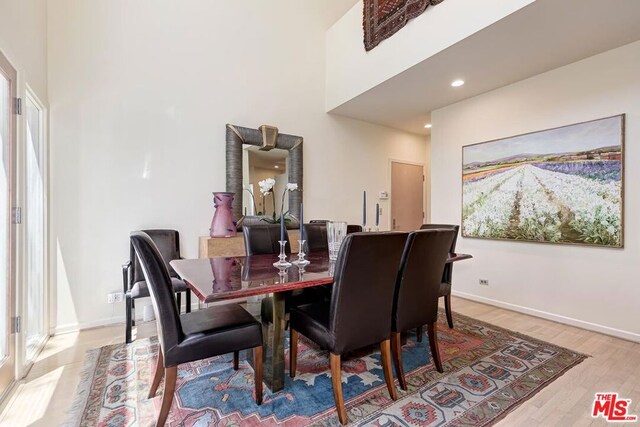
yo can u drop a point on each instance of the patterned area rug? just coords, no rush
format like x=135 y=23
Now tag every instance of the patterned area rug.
x=489 y=371
x=383 y=18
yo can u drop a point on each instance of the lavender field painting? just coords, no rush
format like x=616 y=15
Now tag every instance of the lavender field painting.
x=561 y=185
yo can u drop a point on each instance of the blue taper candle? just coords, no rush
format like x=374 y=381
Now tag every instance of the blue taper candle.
x=377 y=214
x=282 y=227
x=301 y=222
x=364 y=208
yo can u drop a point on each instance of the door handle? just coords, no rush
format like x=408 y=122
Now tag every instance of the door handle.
x=394 y=223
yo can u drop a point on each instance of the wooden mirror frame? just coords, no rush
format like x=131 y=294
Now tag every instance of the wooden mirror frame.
x=238 y=135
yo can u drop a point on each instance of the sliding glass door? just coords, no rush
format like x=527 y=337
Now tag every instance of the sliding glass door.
x=7 y=237
x=35 y=310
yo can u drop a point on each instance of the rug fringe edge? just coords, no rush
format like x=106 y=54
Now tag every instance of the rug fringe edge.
x=76 y=410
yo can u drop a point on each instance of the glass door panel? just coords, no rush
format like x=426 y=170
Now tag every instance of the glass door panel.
x=34 y=325
x=7 y=150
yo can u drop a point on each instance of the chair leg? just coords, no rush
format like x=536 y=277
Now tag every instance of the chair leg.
x=396 y=350
x=385 y=349
x=336 y=380
x=447 y=309
x=179 y=301
x=188 y=300
x=128 y=322
x=432 y=330
x=419 y=333
x=171 y=374
x=236 y=360
x=133 y=310
x=293 y=352
x=157 y=376
x=257 y=363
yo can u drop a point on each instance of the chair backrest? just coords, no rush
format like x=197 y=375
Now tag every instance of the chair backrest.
x=418 y=283
x=363 y=289
x=263 y=239
x=316 y=237
x=167 y=242
x=160 y=288
x=447 y=276
x=352 y=228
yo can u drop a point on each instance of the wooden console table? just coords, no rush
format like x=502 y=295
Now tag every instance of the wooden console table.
x=210 y=247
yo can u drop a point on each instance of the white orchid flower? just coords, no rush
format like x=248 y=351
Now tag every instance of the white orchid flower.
x=292 y=186
x=266 y=185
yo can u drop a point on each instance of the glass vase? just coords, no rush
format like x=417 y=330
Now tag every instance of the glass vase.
x=336 y=232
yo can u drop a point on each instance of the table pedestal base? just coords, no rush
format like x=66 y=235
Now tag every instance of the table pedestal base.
x=273 y=322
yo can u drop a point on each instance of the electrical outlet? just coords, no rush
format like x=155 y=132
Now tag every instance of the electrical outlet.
x=114 y=297
x=484 y=282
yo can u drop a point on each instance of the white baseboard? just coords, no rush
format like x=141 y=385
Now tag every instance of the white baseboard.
x=75 y=327
x=78 y=326
x=618 y=333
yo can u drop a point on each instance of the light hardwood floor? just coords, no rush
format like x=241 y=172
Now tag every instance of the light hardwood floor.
x=42 y=398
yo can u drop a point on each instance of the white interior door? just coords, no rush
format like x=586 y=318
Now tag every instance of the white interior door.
x=8 y=122
x=407 y=196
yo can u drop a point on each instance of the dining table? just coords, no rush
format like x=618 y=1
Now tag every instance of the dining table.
x=242 y=277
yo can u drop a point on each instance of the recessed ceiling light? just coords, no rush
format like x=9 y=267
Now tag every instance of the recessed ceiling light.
x=277 y=167
x=427 y=126
x=457 y=83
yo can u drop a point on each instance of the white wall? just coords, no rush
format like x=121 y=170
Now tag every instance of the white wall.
x=351 y=70
x=140 y=93
x=596 y=288
x=23 y=28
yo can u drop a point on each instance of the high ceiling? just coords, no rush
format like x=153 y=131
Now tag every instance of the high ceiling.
x=335 y=9
x=540 y=37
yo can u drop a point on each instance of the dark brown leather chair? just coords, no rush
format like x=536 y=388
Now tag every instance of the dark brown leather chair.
x=134 y=284
x=417 y=289
x=445 y=284
x=316 y=237
x=192 y=336
x=359 y=313
x=352 y=228
x=263 y=239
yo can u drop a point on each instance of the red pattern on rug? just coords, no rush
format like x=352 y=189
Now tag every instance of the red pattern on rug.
x=488 y=372
x=383 y=18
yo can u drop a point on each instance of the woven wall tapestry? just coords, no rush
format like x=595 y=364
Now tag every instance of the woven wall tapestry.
x=383 y=18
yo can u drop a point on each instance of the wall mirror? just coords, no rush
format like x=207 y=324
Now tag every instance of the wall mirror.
x=253 y=155
x=258 y=165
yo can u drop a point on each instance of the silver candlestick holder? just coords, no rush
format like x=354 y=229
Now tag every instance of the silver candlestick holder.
x=282 y=262
x=301 y=262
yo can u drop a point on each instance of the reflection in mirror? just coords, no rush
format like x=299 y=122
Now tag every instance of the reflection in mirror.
x=259 y=165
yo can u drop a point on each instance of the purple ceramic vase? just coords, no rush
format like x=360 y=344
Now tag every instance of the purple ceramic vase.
x=223 y=224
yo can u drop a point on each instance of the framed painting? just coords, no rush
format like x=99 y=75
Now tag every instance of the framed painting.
x=562 y=185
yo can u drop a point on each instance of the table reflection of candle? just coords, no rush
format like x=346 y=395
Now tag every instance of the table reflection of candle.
x=283 y=274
